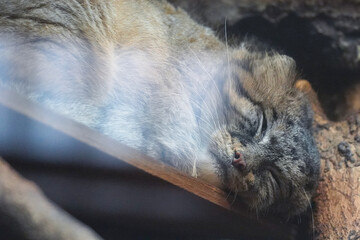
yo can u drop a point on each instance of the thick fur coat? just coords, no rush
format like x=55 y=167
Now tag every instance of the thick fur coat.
x=145 y=74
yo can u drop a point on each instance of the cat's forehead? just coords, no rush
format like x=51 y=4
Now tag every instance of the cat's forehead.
x=265 y=79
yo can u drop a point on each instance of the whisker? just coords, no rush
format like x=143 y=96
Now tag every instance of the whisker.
x=205 y=103
x=205 y=121
x=227 y=49
x=229 y=193
x=211 y=79
x=234 y=199
x=208 y=73
x=312 y=213
x=207 y=131
x=194 y=171
x=202 y=98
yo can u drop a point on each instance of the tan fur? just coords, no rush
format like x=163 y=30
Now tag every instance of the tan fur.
x=147 y=75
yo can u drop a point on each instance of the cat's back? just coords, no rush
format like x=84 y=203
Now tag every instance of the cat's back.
x=99 y=30
x=135 y=23
x=60 y=52
x=83 y=57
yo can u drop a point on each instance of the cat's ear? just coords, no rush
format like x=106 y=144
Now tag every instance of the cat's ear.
x=277 y=71
x=273 y=77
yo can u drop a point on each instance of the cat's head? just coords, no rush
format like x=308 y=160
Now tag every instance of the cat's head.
x=264 y=149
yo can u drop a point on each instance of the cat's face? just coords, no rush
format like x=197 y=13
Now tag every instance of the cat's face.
x=265 y=152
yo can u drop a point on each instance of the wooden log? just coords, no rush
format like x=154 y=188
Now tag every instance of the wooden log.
x=337 y=213
x=36 y=218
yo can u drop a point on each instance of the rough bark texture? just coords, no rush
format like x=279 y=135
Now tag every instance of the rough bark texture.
x=31 y=215
x=337 y=204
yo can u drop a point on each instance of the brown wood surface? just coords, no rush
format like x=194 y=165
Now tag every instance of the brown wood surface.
x=29 y=131
x=26 y=209
x=337 y=203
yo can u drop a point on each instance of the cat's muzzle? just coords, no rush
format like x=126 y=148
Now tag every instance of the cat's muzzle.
x=238 y=161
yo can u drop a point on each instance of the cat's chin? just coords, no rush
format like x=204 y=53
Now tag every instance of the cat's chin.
x=244 y=186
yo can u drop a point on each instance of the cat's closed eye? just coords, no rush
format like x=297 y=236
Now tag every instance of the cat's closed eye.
x=262 y=126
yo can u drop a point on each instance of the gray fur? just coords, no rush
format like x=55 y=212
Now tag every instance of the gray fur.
x=145 y=74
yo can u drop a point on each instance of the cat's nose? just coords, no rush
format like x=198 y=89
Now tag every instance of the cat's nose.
x=238 y=161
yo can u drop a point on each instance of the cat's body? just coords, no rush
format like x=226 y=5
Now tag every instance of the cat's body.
x=147 y=75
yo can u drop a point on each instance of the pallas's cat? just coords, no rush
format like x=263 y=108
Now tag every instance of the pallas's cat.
x=145 y=74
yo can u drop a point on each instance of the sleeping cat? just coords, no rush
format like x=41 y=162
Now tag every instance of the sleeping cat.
x=145 y=74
